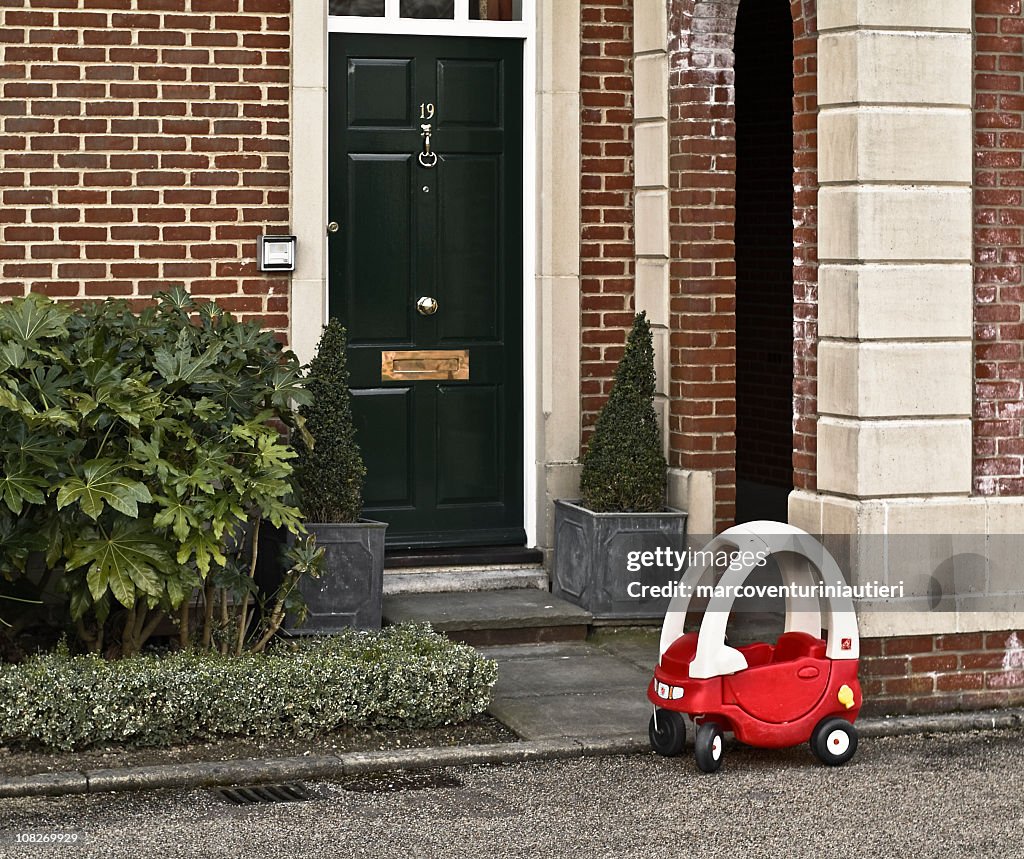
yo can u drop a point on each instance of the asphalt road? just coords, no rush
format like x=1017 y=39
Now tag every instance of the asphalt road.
x=944 y=795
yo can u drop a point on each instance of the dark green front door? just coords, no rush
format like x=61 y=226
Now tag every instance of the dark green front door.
x=431 y=223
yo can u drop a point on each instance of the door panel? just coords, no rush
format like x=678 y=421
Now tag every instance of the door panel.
x=388 y=411
x=470 y=238
x=380 y=93
x=478 y=87
x=380 y=248
x=444 y=456
x=467 y=428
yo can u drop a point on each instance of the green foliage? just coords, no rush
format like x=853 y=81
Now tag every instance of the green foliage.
x=329 y=471
x=137 y=448
x=624 y=468
x=401 y=677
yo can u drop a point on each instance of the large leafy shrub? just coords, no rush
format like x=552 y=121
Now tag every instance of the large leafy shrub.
x=624 y=467
x=329 y=471
x=136 y=450
x=401 y=677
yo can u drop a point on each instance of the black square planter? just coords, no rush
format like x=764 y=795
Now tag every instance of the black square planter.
x=591 y=555
x=351 y=589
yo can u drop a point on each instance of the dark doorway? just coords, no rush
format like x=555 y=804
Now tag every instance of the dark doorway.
x=764 y=260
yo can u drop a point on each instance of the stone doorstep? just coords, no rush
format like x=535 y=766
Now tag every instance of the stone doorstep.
x=507 y=616
x=417 y=580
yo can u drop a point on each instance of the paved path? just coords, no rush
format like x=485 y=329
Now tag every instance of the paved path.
x=574 y=689
x=948 y=795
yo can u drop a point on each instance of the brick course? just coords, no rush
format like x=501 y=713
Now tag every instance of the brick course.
x=942 y=673
x=998 y=248
x=144 y=142
x=606 y=189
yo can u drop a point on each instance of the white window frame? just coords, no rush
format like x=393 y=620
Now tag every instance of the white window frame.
x=460 y=25
x=525 y=30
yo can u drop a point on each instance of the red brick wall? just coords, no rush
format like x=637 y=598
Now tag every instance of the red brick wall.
x=998 y=248
x=805 y=243
x=702 y=217
x=144 y=143
x=941 y=673
x=606 y=188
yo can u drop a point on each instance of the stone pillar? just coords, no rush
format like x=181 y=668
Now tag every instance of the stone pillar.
x=650 y=135
x=895 y=366
x=309 y=216
x=558 y=258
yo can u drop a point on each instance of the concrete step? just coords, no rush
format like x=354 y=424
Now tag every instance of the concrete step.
x=513 y=616
x=422 y=580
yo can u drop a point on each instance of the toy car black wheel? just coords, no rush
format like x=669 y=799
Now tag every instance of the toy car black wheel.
x=834 y=741
x=708 y=747
x=667 y=731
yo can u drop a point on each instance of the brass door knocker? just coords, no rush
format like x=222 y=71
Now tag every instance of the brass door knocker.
x=427 y=158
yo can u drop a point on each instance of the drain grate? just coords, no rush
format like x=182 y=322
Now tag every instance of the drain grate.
x=254 y=794
x=399 y=781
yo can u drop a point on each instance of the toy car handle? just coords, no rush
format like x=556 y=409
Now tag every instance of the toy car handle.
x=675 y=618
x=795 y=552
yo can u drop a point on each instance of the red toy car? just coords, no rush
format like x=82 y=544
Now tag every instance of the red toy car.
x=803 y=687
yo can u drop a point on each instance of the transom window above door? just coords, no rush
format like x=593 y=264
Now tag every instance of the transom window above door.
x=454 y=17
x=474 y=10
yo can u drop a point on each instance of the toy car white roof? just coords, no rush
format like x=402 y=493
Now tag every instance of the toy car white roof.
x=801 y=560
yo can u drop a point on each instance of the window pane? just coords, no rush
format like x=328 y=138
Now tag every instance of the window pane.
x=365 y=8
x=427 y=9
x=496 y=10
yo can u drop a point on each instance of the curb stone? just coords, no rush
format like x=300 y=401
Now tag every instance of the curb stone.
x=255 y=771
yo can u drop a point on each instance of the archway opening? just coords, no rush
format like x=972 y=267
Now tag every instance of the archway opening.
x=764 y=259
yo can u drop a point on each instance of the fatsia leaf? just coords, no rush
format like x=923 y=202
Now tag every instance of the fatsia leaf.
x=146 y=580
x=206 y=548
x=182 y=366
x=147 y=454
x=97 y=580
x=32 y=318
x=79 y=602
x=103 y=482
x=17 y=487
x=176 y=297
x=54 y=416
x=286 y=385
x=42 y=448
x=8 y=400
x=129 y=561
x=175 y=515
x=12 y=355
x=179 y=587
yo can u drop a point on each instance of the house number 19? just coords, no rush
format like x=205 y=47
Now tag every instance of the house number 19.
x=426 y=110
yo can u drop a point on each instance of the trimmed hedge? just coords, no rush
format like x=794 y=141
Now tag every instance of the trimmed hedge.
x=401 y=677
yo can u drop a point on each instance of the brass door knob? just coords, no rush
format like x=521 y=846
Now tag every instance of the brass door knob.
x=426 y=306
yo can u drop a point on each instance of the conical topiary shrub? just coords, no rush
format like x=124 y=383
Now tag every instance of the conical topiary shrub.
x=329 y=475
x=624 y=468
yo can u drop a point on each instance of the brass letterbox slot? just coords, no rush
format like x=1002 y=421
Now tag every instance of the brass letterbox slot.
x=447 y=364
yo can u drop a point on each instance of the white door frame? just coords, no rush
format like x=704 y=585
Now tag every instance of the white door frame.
x=309 y=308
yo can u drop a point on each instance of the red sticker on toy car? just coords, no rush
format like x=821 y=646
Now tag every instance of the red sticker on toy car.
x=847 y=644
